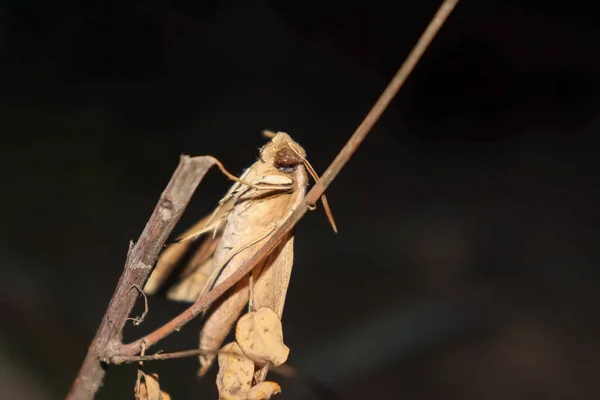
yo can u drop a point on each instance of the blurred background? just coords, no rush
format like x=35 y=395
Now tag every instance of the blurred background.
x=466 y=262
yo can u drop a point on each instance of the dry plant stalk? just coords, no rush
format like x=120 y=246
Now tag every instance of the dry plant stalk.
x=107 y=346
x=138 y=265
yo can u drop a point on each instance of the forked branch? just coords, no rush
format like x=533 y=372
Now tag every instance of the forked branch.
x=141 y=257
x=311 y=197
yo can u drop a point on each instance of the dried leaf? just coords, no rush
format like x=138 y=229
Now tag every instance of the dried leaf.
x=150 y=388
x=260 y=336
x=264 y=391
x=235 y=373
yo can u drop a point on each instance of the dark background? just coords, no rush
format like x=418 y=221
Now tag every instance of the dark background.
x=466 y=263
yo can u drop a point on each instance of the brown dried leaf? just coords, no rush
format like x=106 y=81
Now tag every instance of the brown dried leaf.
x=260 y=336
x=235 y=373
x=264 y=391
x=150 y=388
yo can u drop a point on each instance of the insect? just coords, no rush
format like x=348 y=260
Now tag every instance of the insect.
x=244 y=218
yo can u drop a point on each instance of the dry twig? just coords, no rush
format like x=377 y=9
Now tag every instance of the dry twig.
x=107 y=343
x=311 y=197
x=157 y=356
x=140 y=259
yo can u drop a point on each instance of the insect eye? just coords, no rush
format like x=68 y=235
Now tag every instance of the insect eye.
x=286 y=160
x=287 y=169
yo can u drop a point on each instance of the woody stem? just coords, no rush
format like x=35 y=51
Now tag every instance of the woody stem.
x=140 y=259
x=311 y=198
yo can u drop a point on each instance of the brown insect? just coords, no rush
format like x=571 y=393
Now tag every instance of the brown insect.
x=245 y=217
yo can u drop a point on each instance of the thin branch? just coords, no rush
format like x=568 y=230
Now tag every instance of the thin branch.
x=157 y=356
x=311 y=198
x=140 y=259
x=284 y=370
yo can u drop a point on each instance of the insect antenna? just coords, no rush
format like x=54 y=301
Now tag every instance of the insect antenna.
x=268 y=134
x=316 y=177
